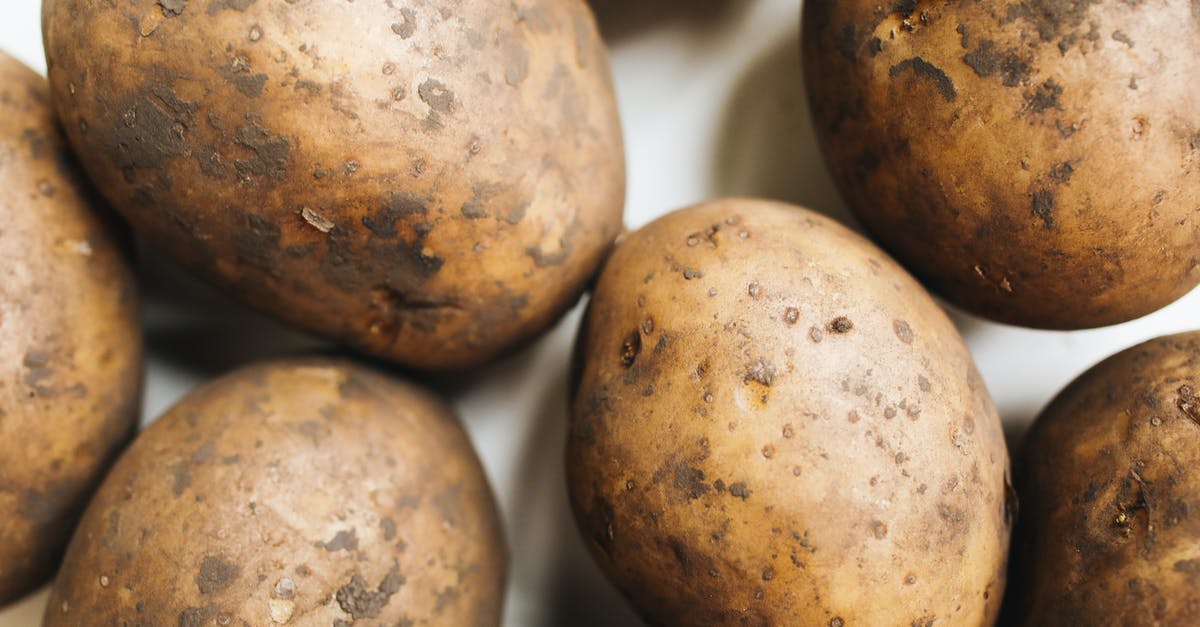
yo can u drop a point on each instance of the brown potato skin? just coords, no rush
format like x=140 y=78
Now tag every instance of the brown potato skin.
x=346 y=482
x=70 y=340
x=430 y=183
x=1107 y=532
x=808 y=443
x=1034 y=162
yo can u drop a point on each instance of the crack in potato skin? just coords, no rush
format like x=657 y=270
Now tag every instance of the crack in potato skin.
x=307 y=158
x=947 y=125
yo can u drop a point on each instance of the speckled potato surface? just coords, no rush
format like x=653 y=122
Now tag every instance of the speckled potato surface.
x=1108 y=533
x=775 y=425
x=304 y=492
x=428 y=181
x=1034 y=161
x=70 y=343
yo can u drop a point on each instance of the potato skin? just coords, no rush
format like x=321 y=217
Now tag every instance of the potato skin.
x=775 y=425
x=1035 y=162
x=430 y=183
x=1107 y=532
x=70 y=340
x=306 y=491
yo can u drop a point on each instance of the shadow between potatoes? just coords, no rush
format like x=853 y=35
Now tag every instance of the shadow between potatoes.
x=580 y=594
x=767 y=147
x=620 y=19
x=194 y=328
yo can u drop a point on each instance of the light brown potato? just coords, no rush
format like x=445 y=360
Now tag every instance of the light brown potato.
x=70 y=343
x=775 y=425
x=1035 y=162
x=309 y=492
x=432 y=183
x=1109 y=493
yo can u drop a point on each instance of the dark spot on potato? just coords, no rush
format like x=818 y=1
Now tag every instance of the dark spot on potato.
x=445 y=597
x=791 y=315
x=1123 y=38
x=690 y=481
x=1044 y=97
x=903 y=331
x=516 y=63
x=1062 y=172
x=433 y=93
x=216 y=574
x=197 y=616
x=1043 y=206
x=399 y=205
x=816 y=335
x=239 y=73
x=171 y=8
x=388 y=526
x=847 y=43
x=211 y=164
x=407 y=24
x=761 y=371
x=837 y=622
x=691 y=274
x=841 y=326
x=344 y=540
x=216 y=6
x=360 y=602
x=271 y=155
x=924 y=69
x=52 y=503
x=739 y=490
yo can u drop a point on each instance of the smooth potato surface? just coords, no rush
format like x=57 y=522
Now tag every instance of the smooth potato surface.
x=1108 y=533
x=428 y=182
x=775 y=425
x=1034 y=161
x=70 y=344
x=307 y=491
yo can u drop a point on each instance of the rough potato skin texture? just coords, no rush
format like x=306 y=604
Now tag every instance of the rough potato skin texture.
x=1108 y=526
x=70 y=340
x=775 y=425
x=1034 y=161
x=308 y=491
x=428 y=182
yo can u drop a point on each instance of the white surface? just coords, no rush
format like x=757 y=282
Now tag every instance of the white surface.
x=712 y=107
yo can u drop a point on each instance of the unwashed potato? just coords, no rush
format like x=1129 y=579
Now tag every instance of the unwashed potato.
x=310 y=492
x=430 y=182
x=1036 y=162
x=775 y=425
x=1109 y=532
x=70 y=344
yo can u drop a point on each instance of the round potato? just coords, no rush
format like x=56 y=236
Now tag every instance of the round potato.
x=70 y=342
x=1108 y=530
x=430 y=183
x=775 y=425
x=310 y=492
x=1035 y=162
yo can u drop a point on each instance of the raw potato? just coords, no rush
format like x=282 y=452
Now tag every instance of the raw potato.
x=431 y=183
x=1034 y=161
x=70 y=342
x=775 y=425
x=309 y=492
x=1109 y=494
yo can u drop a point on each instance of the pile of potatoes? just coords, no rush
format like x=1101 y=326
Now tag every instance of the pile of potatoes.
x=772 y=421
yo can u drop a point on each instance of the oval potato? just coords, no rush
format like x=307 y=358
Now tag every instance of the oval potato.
x=431 y=183
x=307 y=491
x=1035 y=162
x=1108 y=530
x=70 y=341
x=775 y=425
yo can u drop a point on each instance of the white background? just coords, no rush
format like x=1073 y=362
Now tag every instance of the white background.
x=712 y=101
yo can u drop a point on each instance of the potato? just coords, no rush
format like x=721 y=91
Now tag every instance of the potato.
x=307 y=491
x=775 y=425
x=1035 y=162
x=1108 y=530
x=431 y=183
x=70 y=342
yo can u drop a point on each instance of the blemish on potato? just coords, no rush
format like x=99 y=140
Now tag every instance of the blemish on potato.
x=841 y=326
